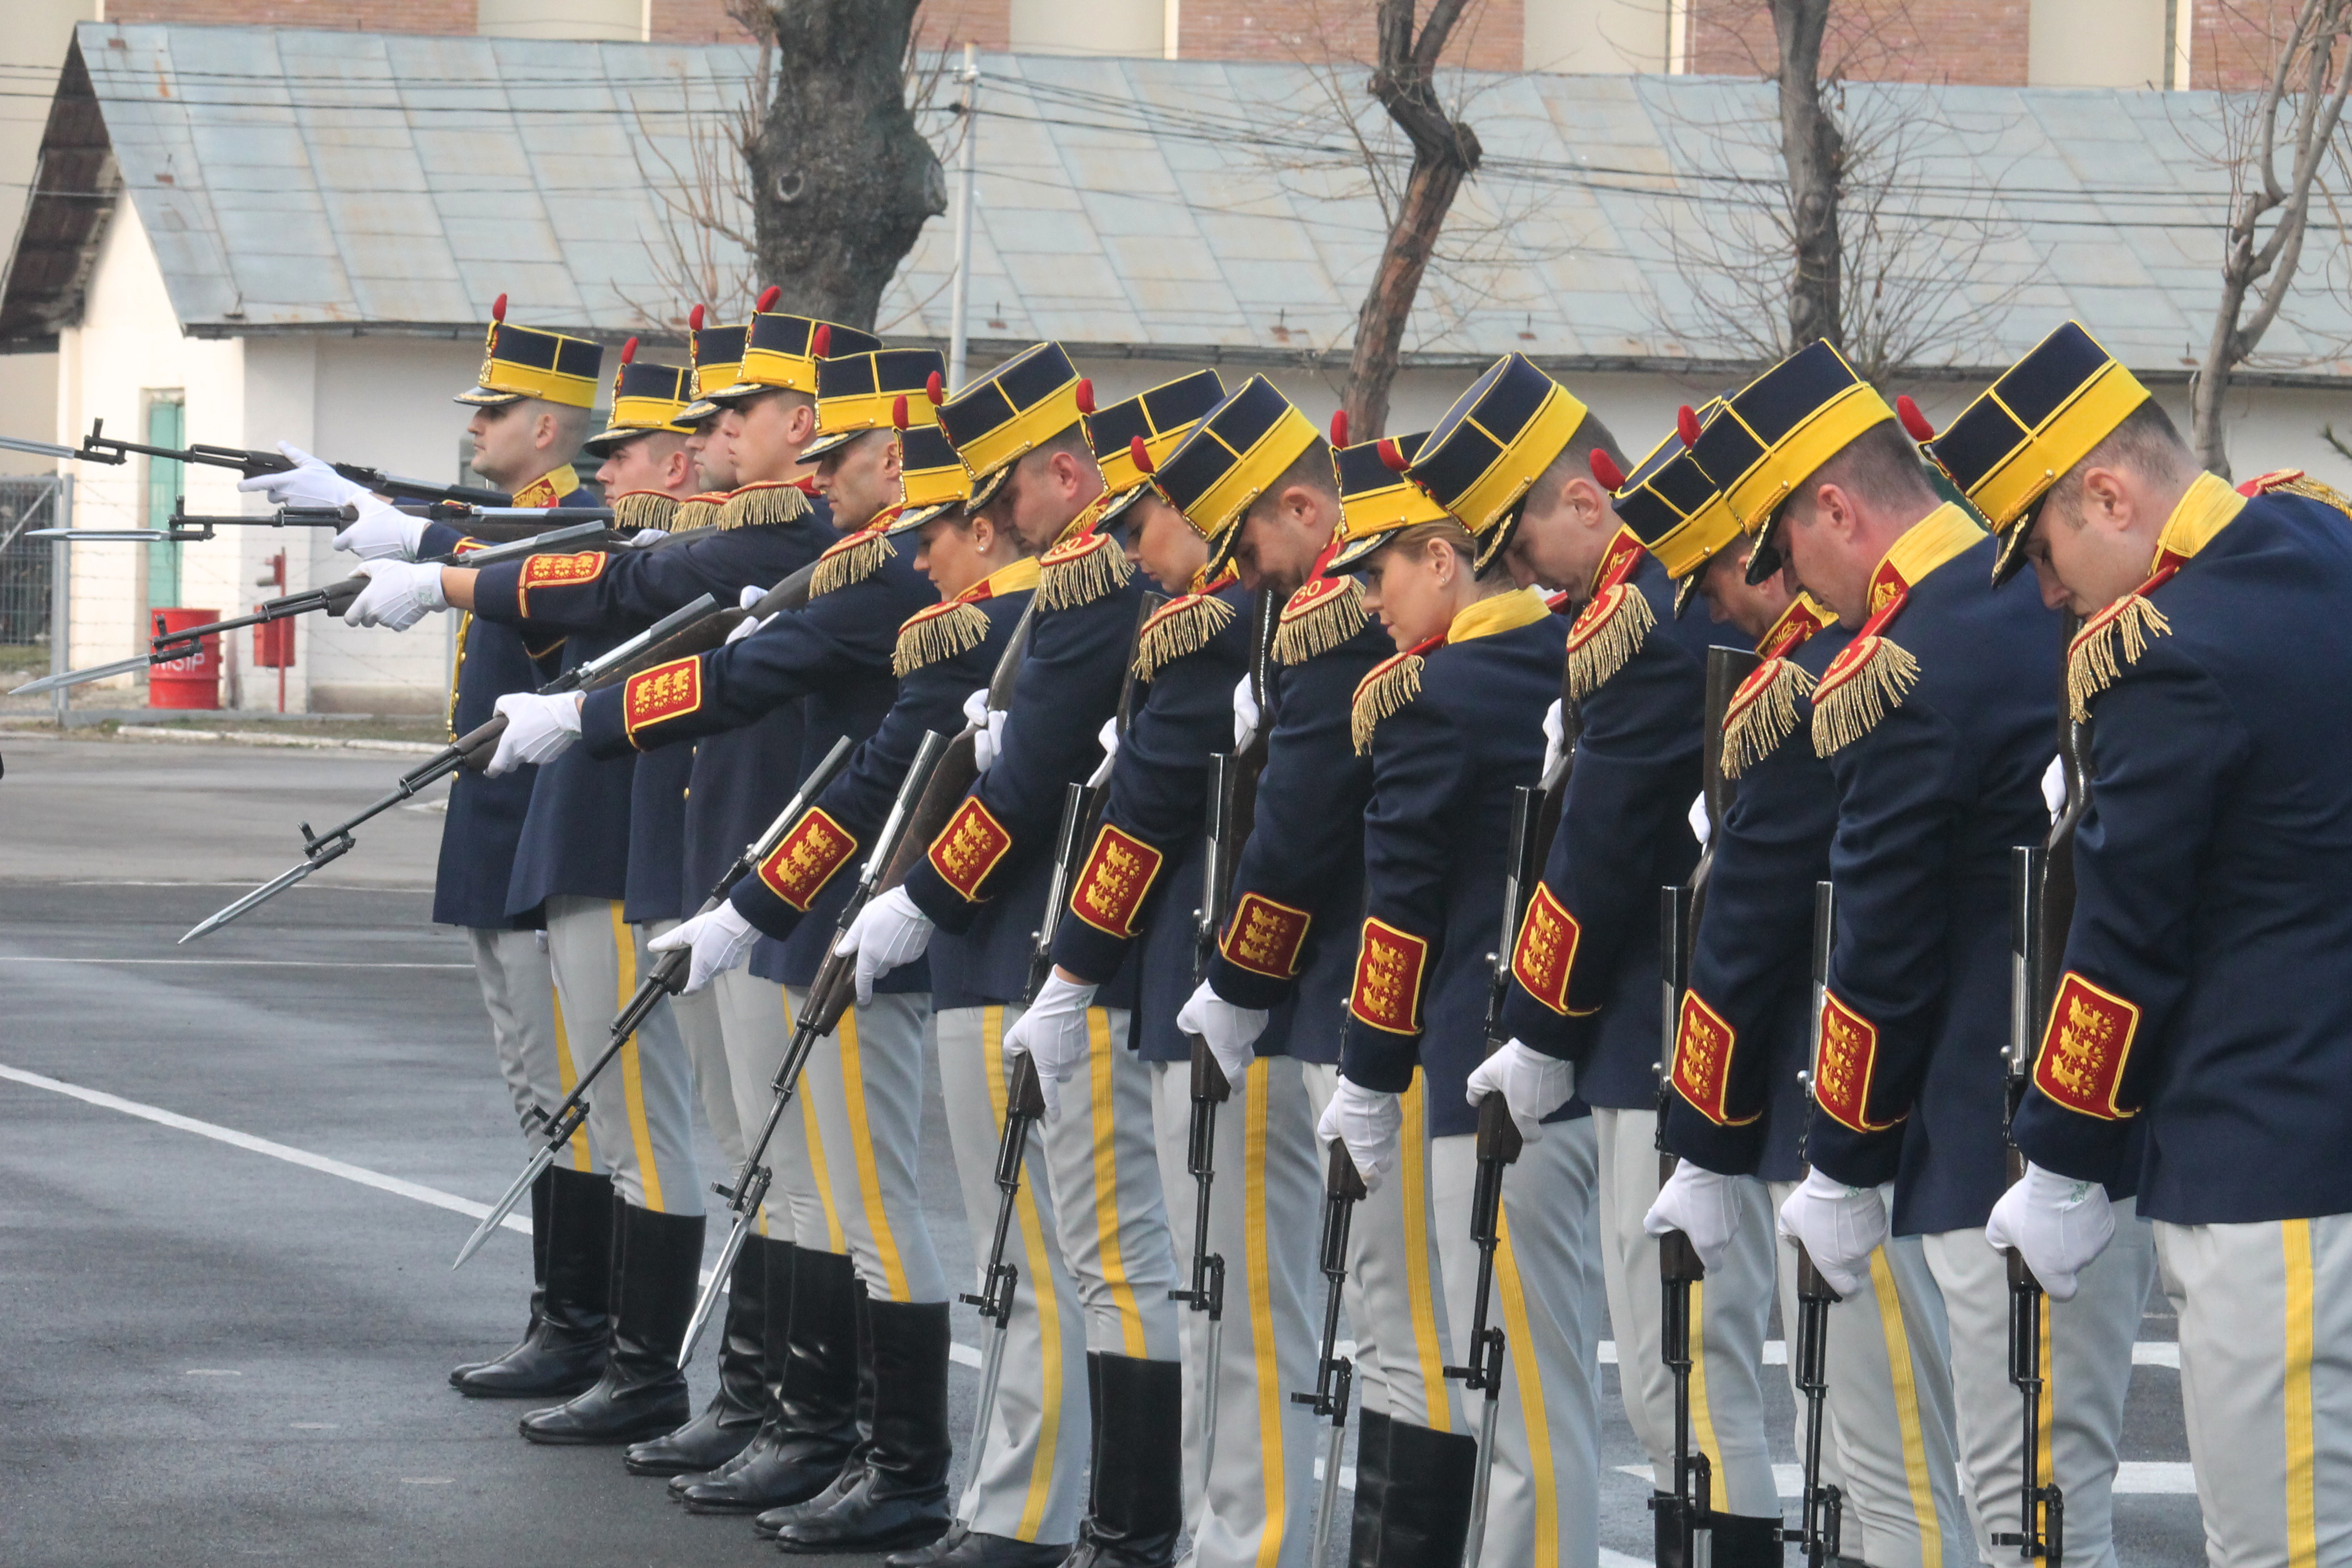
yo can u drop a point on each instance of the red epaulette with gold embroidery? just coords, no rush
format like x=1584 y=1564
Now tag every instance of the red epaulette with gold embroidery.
x=1611 y=628
x=1080 y=568
x=855 y=558
x=763 y=503
x=1763 y=711
x=1184 y=625
x=1318 y=618
x=1389 y=685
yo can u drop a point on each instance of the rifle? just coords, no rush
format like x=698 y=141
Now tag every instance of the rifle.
x=1230 y=807
x=2041 y=884
x=1689 y=1506
x=500 y=524
x=100 y=447
x=1335 y=1374
x=675 y=635
x=334 y=598
x=1820 y=1509
x=829 y=996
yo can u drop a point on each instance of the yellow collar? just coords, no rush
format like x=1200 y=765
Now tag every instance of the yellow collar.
x=548 y=489
x=1928 y=544
x=1798 y=623
x=1503 y=612
x=1020 y=575
x=2210 y=506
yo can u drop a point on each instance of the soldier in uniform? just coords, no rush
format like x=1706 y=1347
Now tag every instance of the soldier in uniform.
x=1737 y=1112
x=1020 y=430
x=530 y=410
x=2191 y=1052
x=1453 y=724
x=1937 y=721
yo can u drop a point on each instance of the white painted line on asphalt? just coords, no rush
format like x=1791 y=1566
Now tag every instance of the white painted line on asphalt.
x=235 y=963
x=246 y=1141
x=1619 y=1560
x=2134 y=1478
x=963 y=1355
x=2157 y=1353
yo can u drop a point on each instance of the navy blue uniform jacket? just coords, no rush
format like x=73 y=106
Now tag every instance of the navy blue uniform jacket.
x=2208 y=985
x=1436 y=838
x=1911 y=1072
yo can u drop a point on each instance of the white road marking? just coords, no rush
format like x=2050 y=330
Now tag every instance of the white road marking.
x=2157 y=1353
x=246 y=1141
x=963 y=1355
x=235 y=963
x=2134 y=1478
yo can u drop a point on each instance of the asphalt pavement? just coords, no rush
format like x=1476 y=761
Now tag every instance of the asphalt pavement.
x=234 y=1173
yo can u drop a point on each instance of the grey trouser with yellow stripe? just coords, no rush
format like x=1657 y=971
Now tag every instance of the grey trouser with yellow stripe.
x=706 y=1050
x=755 y=1020
x=2087 y=1350
x=641 y=1108
x=1266 y=1210
x=534 y=1052
x=864 y=1084
x=1028 y=1482
x=2266 y=1382
x=1544 y=1505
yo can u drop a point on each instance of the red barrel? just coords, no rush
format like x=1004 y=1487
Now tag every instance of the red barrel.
x=193 y=681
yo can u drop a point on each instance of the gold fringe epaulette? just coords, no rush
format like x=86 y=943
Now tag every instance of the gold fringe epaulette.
x=634 y=509
x=1762 y=713
x=1392 y=683
x=2109 y=643
x=852 y=560
x=2295 y=482
x=936 y=632
x=1864 y=683
x=762 y=503
x=698 y=512
x=1080 y=570
x=1607 y=634
x=1180 y=627
x=1318 y=618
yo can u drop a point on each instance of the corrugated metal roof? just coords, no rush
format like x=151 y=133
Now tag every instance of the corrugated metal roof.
x=294 y=180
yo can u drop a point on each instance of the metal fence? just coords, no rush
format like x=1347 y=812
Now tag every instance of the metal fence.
x=27 y=504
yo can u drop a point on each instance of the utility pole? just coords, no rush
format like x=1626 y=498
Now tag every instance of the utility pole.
x=960 y=312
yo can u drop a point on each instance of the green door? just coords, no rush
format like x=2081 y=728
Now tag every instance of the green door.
x=167 y=424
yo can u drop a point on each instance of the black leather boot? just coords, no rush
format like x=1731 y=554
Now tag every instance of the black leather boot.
x=657 y=1261
x=900 y=1495
x=813 y=1355
x=539 y=1191
x=725 y=1425
x=853 y=1465
x=1746 y=1541
x=1135 y=1509
x=1415 y=1510
x=1666 y=1531
x=773 y=1262
x=567 y=1353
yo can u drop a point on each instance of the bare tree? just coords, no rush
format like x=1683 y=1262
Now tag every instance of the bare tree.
x=2297 y=111
x=1445 y=152
x=1814 y=151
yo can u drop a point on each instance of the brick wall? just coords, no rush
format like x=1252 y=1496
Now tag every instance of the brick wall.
x=694 y=22
x=952 y=24
x=356 y=15
x=1490 y=36
x=2233 y=43
x=1977 y=41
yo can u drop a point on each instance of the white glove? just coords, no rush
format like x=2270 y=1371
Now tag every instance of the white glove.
x=747 y=625
x=720 y=941
x=2054 y=787
x=1053 y=1034
x=539 y=730
x=1232 y=1032
x=309 y=483
x=990 y=722
x=399 y=593
x=1555 y=729
x=2061 y=1225
x=1699 y=826
x=1246 y=716
x=1369 y=1122
x=888 y=932
x=1702 y=1205
x=639 y=538
x=381 y=530
x=1531 y=1083
x=751 y=594
x=1840 y=1225
x=1107 y=738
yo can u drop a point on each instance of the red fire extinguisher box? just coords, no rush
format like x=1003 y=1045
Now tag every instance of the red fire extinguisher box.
x=193 y=681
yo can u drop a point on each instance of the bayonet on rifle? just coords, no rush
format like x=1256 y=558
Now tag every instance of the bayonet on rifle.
x=1820 y=1509
x=1335 y=1374
x=100 y=447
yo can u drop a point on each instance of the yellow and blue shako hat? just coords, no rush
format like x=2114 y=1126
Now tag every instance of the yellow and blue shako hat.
x=780 y=351
x=526 y=361
x=1671 y=504
x=715 y=352
x=2043 y=415
x=1497 y=440
x=858 y=392
x=1778 y=430
x=1132 y=438
x=1377 y=498
x=1028 y=400
x=647 y=397
x=932 y=481
x=1240 y=448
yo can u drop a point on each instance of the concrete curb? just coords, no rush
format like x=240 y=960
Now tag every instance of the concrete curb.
x=264 y=738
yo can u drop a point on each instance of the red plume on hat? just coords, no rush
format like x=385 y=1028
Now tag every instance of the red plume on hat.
x=1391 y=454
x=1687 y=425
x=898 y=412
x=629 y=351
x=1085 y=397
x=1605 y=469
x=1340 y=428
x=767 y=298
x=1914 y=422
x=821 y=342
x=499 y=309
x=694 y=319
x=1141 y=454
x=935 y=387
